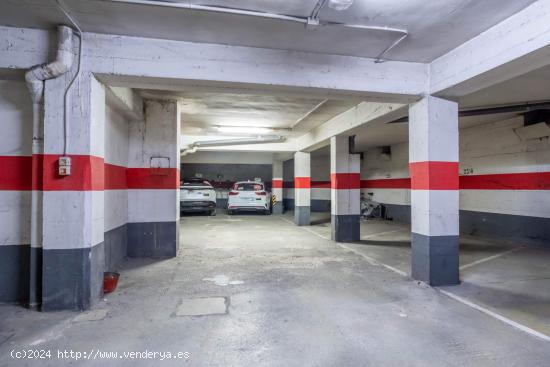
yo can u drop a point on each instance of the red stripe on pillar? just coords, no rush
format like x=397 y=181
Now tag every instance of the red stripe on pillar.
x=87 y=173
x=345 y=181
x=302 y=182
x=434 y=175
x=115 y=177
x=15 y=172
x=153 y=178
x=277 y=184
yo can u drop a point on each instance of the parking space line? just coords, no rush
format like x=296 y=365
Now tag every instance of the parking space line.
x=477 y=307
x=373 y=261
x=383 y=233
x=305 y=229
x=489 y=258
x=453 y=296
x=495 y=315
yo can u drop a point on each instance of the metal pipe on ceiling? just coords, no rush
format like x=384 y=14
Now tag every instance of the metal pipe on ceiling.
x=313 y=19
x=213 y=9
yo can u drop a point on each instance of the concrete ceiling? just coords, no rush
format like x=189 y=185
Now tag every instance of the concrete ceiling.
x=435 y=27
x=202 y=112
x=527 y=88
x=285 y=111
x=531 y=87
x=380 y=134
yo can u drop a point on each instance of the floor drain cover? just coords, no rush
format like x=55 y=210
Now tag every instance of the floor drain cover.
x=202 y=306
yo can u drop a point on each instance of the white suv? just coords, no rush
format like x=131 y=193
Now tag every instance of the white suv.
x=197 y=195
x=249 y=196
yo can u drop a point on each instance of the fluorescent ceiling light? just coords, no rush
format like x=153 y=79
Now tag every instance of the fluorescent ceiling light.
x=339 y=4
x=244 y=129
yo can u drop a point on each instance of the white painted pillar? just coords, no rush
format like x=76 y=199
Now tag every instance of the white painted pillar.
x=277 y=187
x=302 y=188
x=433 y=167
x=345 y=190
x=73 y=213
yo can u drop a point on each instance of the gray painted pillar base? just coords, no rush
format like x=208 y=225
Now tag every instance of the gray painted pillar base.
x=14 y=273
x=35 y=277
x=435 y=259
x=345 y=228
x=278 y=207
x=302 y=215
x=72 y=279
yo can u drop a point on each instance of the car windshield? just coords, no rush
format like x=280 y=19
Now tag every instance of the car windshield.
x=194 y=182
x=248 y=186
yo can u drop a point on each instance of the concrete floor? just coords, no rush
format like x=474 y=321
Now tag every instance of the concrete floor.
x=505 y=277
x=295 y=298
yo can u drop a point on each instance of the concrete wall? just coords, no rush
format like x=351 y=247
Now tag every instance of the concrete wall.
x=228 y=157
x=228 y=172
x=388 y=180
x=222 y=169
x=113 y=198
x=504 y=182
x=505 y=187
x=15 y=190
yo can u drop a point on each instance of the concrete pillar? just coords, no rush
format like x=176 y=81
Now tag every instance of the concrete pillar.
x=302 y=188
x=153 y=181
x=72 y=222
x=433 y=167
x=277 y=187
x=344 y=190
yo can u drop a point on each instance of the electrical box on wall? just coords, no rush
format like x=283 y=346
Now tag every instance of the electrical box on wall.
x=64 y=166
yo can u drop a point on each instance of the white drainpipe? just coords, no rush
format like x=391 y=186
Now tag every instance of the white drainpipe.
x=63 y=61
x=35 y=78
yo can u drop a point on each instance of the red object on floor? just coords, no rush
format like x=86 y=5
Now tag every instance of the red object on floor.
x=110 y=281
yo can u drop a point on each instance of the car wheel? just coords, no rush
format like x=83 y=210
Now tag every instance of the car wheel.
x=267 y=212
x=229 y=212
x=213 y=213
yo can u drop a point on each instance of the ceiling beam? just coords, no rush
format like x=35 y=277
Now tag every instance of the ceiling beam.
x=517 y=45
x=347 y=122
x=126 y=101
x=116 y=56
x=167 y=62
x=23 y=48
